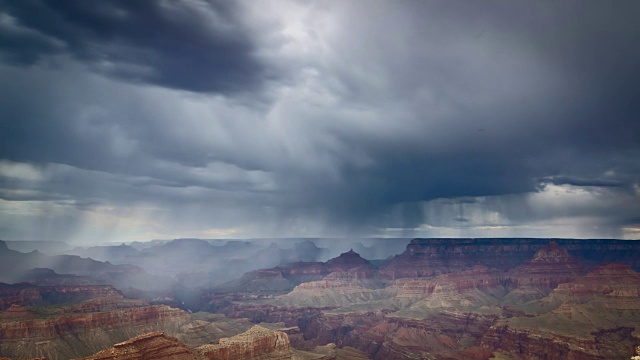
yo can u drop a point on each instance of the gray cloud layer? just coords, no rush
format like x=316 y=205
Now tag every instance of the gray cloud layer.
x=183 y=45
x=287 y=118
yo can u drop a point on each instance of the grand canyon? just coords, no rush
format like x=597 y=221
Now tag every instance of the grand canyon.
x=453 y=298
x=334 y=179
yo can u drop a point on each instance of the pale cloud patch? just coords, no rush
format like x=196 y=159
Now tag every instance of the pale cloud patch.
x=20 y=171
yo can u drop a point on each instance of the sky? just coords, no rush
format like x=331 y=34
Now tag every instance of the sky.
x=138 y=120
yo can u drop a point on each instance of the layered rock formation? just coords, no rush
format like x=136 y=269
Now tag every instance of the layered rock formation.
x=430 y=257
x=155 y=345
x=440 y=299
x=614 y=281
x=449 y=335
x=30 y=295
x=256 y=343
x=48 y=277
x=425 y=260
x=467 y=299
x=72 y=329
x=264 y=280
x=478 y=286
x=333 y=291
x=550 y=266
x=285 y=278
x=16 y=313
x=592 y=317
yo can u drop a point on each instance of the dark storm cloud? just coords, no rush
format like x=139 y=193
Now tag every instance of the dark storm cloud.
x=375 y=110
x=196 y=46
x=487 y=99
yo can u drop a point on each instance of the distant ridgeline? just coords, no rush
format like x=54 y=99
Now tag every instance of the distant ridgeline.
x=505 y=253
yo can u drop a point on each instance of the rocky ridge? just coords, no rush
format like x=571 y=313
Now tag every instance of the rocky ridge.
x=286 y=277
x=30 y=295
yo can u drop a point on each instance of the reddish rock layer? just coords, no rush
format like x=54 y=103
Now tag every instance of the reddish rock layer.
x=52 y=328
x=478 y=277
x=29 y=295
x=592 y=317
x=16 y=313
x=550 y=266
x=385 y=337
x=155 y=345
x=615 y=343
x=611 y=280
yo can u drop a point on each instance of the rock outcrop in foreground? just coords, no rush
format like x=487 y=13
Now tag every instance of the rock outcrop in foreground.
x=154 y=345
x=256 y=343
x=63 y=322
